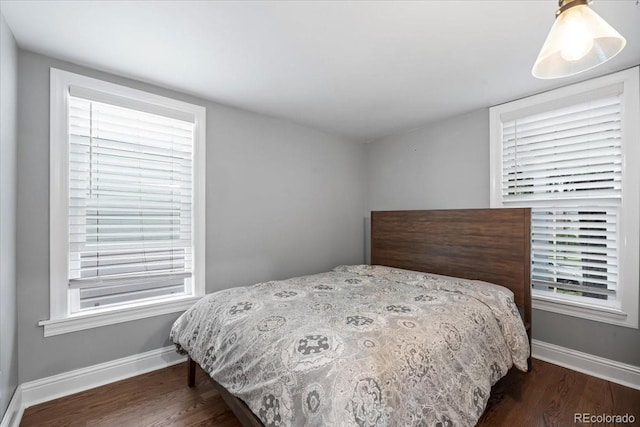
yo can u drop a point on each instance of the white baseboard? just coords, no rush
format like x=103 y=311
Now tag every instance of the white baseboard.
x=45 y=389
x=13 y=414
x=607 y=369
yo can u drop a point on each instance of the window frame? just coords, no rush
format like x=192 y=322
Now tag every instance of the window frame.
x=627 y=294
x=60 y=320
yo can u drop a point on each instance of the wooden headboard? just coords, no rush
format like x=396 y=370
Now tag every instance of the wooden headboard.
x=492 y=245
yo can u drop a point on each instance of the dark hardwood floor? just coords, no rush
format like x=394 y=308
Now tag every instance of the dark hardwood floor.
x=548 y=396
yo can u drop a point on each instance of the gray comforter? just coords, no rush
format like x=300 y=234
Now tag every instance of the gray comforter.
x=358 y=346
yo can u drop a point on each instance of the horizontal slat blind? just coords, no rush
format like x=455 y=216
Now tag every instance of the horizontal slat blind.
x=574 y=250
x=566 y=163
x=130 y=203
x=566 y=153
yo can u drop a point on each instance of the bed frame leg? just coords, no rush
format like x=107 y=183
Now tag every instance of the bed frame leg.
x=191 y=379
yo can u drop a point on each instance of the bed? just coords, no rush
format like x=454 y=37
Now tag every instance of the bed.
x=416 y=338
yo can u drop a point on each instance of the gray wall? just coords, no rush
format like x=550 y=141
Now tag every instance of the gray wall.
x=282 y=200
x=429 y=168
x=446 y=165
x=8 y=146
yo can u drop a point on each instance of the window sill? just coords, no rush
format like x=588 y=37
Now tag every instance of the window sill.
x=585 y=311
x=79 y=322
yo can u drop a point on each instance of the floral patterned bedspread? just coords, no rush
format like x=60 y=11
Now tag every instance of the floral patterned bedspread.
x=358 y=346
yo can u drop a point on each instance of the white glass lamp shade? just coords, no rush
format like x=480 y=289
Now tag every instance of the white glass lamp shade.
x=578 y=41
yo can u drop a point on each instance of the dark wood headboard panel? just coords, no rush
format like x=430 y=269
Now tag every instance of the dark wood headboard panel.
x=492 y=245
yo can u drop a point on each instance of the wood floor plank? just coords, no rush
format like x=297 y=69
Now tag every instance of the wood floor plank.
x=158 y=398
x=564 y=394
x=547 y=396
x=624 y=402
x=511 y=394
x=596 y=398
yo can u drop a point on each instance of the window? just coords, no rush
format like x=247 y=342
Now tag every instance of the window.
x=127 y=204
x=573 y=156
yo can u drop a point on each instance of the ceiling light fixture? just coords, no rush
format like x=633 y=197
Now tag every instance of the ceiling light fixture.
x=578 y=41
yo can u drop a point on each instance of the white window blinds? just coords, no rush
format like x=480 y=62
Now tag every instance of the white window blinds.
x=130 y=204
x=574 y=251
x=570 y=152
x=566 y=163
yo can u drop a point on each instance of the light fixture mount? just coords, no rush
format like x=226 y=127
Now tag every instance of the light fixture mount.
x=568 y=4
x=578 y=41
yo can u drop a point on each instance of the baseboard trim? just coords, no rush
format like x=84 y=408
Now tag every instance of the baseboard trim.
x=13 y=414
x=56 y=386
x=50 y=388
x=607 y=369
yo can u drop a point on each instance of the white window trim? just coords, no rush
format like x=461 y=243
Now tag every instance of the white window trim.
x=60 y=320
x=629 y=283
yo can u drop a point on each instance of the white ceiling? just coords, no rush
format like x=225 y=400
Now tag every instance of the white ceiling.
x=356 y=68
